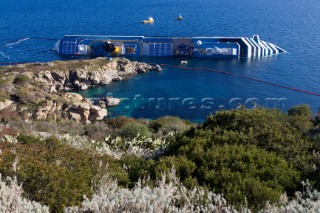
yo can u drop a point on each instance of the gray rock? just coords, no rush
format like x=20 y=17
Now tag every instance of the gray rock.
x=157 y=68
x=76 y=83
x=105 y=81
x=48 y=77
x=97 y=113
x=117 y=79
x=75 y=116
x=53 y=89
x=83 y=86
x=59 y=87
x=102 y=104
x=58 y=76
x=110 y=102
x=73 y=97
x=81 y=75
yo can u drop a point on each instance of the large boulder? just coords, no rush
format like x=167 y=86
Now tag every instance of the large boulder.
x=102 y=104
x=47 y=110
x=95 y=78
x=75 y=116
x=83 y=86
x=110 y=102
x=48 y=77
x=79 y=112
x=81 y=75
x=58 y=76
x=42 y=111
x=73 y=97
x=97 y=113
x=76 y=83
x=59 y=87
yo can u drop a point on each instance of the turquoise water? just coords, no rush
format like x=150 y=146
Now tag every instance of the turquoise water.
x=292 y=25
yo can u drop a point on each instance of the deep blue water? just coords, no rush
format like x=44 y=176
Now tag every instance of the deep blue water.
x=293 y=25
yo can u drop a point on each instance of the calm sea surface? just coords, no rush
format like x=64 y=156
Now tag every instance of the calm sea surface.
x=293 y=25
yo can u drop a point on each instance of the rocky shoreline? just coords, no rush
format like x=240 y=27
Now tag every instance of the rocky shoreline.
x=44 y=91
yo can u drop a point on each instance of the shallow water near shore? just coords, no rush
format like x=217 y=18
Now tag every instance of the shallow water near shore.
x=189 y=94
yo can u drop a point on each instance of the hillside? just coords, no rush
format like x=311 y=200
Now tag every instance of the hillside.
x=64 y=155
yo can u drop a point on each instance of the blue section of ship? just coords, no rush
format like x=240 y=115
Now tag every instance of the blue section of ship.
x=200 y=47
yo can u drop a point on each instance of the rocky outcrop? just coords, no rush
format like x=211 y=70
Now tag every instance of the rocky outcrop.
x=98 y=72
x=41 y=91
x=111 y=102
x=47 y=110
x=85 y=112
x=74 y=108
x=97 y=113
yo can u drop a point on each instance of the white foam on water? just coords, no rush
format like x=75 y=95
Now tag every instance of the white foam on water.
x=4 y=55
x=17 y=42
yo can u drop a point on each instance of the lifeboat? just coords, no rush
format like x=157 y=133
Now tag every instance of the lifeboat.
x=150 y=20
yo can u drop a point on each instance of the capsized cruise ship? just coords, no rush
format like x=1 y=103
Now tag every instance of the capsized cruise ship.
x=200 y=47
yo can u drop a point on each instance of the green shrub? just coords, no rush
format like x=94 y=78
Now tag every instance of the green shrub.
x=268 y=129
x=253 y=154
x=185 y=169
x=303 y=110
x=241 y=173
x=21 y=80
x=301 y=117
x=247 y=172
x=138 y=168
x=132 y=130
x=169 y=124
x=27 y=139
x=55 y=174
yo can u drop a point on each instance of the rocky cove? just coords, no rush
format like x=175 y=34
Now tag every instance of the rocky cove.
x=45 y=91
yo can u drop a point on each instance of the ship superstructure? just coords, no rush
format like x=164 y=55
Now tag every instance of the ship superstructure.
x=201 y=47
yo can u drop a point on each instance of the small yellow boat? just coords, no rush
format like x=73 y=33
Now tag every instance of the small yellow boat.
x=179 y=18
x=150 y=20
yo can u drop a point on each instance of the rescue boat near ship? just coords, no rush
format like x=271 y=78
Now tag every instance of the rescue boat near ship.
x=199 y=47
x=179 y=18
x=150 y=20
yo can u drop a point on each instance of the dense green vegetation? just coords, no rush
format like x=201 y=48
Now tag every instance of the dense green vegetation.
x=53 y=173
x=251 y=156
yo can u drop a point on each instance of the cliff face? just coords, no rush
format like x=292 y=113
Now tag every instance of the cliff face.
x=43 y=90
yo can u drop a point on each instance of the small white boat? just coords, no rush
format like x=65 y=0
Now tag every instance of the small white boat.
x=150 y=20
x=179 y=18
